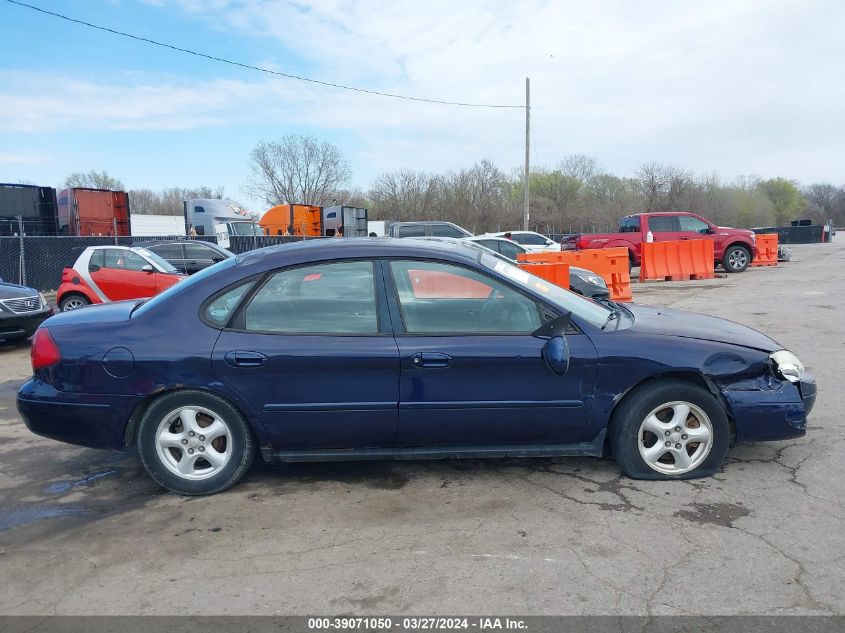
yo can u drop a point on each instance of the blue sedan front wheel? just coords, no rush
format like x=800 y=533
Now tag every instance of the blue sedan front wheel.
x=670 y=429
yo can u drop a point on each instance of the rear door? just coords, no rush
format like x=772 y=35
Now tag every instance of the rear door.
x=313 y=353
x=174 y=254
x=664 y=228
x=199 y=256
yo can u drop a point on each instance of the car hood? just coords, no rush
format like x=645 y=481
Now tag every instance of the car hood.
x=97 y=313
x=14 y=291
x=668 y=322
x=728 y=229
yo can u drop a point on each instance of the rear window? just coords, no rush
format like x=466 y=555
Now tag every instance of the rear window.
x=631 y=224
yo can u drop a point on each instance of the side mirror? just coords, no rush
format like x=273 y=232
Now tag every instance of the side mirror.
x=556 y=355
x=148 y=268
x=708 y=231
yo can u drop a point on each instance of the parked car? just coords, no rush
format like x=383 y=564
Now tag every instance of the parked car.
x=114 y=273
x=584 y=282
x=22 y=310
x=532 y=241
x=378 y=349
x=733 y=248
x=426 y=229
x=188 y=256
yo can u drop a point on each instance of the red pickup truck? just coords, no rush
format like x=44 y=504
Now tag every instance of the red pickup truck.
x=733 y=248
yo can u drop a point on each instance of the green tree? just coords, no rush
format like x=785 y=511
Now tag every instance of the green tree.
x=785 y=197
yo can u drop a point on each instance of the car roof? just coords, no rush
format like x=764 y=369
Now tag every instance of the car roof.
x=164 y=242
x=353 y=247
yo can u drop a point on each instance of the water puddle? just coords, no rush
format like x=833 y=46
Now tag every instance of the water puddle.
x=60 y=487
x=16 y=516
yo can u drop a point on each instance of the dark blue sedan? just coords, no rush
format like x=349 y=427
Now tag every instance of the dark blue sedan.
x=402 y=349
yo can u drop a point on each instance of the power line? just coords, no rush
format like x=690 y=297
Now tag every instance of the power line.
x=256 y=68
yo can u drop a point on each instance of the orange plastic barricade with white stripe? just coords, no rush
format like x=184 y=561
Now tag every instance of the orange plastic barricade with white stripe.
x=555 y=272
x=767 y=250
x=677 y=261
x=611 y=264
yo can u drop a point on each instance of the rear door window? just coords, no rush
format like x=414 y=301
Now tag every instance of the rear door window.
x=198 y=251
x=168 y=251
x=332 y=299
x=663 y=224
x=444 y=230
x=412 y=230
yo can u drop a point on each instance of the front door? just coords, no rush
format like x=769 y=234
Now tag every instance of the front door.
x=471 y=373
x=314 y=356
x=119 y=273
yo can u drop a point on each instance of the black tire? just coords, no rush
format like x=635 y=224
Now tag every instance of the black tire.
x=627 y=419
x=240 y=441
x=72 y=298
x=737 y=258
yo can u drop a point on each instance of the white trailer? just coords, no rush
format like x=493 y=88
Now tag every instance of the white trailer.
x=144 y=225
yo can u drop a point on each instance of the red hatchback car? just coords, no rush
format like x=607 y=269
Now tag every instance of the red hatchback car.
x=113 y=273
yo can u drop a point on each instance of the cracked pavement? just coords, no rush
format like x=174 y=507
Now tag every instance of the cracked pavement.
x=86 y=532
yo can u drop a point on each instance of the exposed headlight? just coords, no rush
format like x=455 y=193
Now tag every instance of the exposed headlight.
x=787 y=365
x=595 y=279
x=43 y=299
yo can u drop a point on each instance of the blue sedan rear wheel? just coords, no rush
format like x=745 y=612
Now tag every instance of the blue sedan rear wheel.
x=195 y=443
x=670 y=429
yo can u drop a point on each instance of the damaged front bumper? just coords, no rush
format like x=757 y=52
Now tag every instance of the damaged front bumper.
x=770 y=409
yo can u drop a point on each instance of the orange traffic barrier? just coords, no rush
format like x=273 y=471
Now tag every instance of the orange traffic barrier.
x=555 y=272
x=677 y=261
x=767 y=250
x=611 y=264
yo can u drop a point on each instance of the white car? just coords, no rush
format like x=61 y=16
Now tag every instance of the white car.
x=532 y=241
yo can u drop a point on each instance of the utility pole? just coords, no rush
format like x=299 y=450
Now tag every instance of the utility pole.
x=527 y=146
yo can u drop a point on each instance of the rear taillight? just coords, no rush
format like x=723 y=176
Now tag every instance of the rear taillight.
x=582 y=243
x=44 y=350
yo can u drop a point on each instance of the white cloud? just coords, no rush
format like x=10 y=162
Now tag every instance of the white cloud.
x=736 y=86
x=719 y=85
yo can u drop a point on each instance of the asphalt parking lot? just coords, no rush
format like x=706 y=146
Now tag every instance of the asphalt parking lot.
x=86 y=532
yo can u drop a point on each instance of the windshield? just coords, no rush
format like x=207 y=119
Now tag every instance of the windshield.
x=157 y=260
x=175 y=289
x=246 y=228
x=580 y=307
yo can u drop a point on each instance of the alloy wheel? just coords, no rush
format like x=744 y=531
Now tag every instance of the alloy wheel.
x=675 y=438
x=193 y=443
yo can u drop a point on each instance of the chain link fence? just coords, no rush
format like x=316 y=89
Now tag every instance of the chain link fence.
x=38 y=262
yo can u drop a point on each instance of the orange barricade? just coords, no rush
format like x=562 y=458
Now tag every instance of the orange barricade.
x=611 y=264
x=677 y=261
x=555 y=272
x=767 y=250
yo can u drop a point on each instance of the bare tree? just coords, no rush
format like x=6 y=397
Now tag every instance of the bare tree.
x=297 y=169
x=93 y=179
x=407 y=195
x=580 y=166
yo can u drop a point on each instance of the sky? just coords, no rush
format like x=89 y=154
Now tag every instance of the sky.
x=726 y=87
